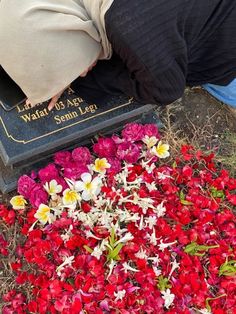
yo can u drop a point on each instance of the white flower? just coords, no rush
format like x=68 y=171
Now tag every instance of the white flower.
x=111 y=267
x=67 y=262
x=65 y=237
x=147 y=167
x=101 y=165
x=168 y=298
x=70 y=198
x=156 y=271
x=119 y=295
x=163 y=246
x=141 y=226
x=141 y=254
x=127 y=237
x=161 y=150
x=125 y=216
x=175 y=266
x=160 y=209
x=151 y=221
x=162 y=176
x=43 y=214
x=152 y=238
x=105 y=219
x=89 y=234
x=89 y=188
x=127 y=268
x=151 y=187
x=150 y=141
x=97 y=252
x=155 y=260
x=18 y=202
x=52 y=187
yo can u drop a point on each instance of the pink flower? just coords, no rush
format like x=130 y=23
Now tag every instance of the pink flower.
x=117 y=139
x=105 y=147
x=82 y=155
x=133 y=132
x=128 y=152
x=38 y=195
x=25 y=184
x=115 y=165
x=151 y=130
x=48 y=173
x=74 y=170
x=62 y=158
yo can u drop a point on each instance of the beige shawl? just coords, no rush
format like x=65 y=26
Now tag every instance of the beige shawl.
x=46 y=44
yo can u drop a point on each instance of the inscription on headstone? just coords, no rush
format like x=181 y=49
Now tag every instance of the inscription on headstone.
x=30 y=135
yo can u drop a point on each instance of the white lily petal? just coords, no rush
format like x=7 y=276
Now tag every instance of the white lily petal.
x=86 y=196
x=97 y=181
x=79 y=186
x=86 y=177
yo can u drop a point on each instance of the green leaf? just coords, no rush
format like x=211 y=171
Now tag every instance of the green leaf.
x=184 y=202
x=112 y=238
x=217 y=193
x=208 y=307
x=88 y=249
x=114 y=254
x=228 y=268
x=181 y=195
x=195 y=249
x=174 y=165
x=163 y=283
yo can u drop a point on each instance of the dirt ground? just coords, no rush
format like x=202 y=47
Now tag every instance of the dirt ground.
x=201 y=120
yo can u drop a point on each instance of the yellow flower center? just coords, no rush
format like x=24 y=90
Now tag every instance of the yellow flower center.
x=18 y=202
x=101 y=165
x=71 y=196
x=44 y=213
x=161 y=149
x=88 y=186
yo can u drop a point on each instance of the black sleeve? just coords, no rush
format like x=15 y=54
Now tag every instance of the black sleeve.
x=105 y=79
x=112 y=77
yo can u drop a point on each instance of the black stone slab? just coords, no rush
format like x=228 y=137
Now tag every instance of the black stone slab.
x=28 y=132
x=29 y=136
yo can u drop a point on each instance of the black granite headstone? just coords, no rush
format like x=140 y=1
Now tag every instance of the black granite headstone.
x=29 y=136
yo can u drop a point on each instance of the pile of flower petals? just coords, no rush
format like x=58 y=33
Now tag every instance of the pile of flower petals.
x=126 y=229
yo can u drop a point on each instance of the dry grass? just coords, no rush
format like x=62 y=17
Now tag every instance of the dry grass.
x=7 y=276
x=201 y=136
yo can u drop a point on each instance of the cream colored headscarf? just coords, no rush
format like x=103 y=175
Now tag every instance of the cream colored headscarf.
x=46 y=44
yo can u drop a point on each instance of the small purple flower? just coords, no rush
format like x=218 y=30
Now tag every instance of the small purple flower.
x=38 y=196
x=62 y=158
x=48 y=173
x=151 y=130
x=82 y=155
x=128 y=152
x=133 y=132
x=105 y=147
x=25 y=184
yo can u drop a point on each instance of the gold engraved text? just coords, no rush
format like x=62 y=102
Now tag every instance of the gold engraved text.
x=37 y=114
x=66 y=117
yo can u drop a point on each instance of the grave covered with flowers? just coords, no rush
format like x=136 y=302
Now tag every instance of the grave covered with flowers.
x=124 y=228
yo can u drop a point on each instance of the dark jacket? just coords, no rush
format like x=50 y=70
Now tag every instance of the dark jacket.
x=160 y=46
